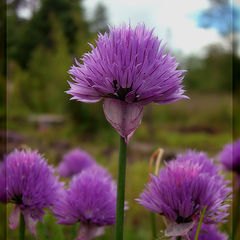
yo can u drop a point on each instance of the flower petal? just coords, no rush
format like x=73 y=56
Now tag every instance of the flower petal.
x=178 y=229
x=31 y=224
x=14 y=218
x=83 y=93
x=89 y=232
x=124 y=117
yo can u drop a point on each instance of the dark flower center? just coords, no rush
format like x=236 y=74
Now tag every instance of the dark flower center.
x=17 y=199
x=120 y=93
x=180 y=219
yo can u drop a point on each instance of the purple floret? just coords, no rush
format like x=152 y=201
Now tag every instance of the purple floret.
x=199 y=158
x=230 y=156
x=128 y=69
x=30 y=185
x=90 y=199
x=74 y=162
x=182 y=190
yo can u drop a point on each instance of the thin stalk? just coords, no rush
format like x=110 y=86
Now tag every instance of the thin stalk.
x=158 y=156
x=75 y=230
x=153 y=224
x=200 y=223
x=22 y=228
x=121 y=190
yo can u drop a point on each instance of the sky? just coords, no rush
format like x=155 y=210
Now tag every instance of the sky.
x=173 y=21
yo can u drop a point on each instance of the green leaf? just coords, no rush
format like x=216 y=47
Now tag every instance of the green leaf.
x=200 y=223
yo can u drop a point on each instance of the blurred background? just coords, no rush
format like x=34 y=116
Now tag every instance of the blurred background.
x=44 y=37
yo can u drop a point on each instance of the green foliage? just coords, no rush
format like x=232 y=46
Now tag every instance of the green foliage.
x=18 y=98
x=59 y=62
x=37 y=30
x=41 y=51
x=200 y=223
x=99 y=23
x=49 y=229
x=212 y=73
x=41 y=87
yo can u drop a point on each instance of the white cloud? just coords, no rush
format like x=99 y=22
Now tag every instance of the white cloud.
x=170 y=18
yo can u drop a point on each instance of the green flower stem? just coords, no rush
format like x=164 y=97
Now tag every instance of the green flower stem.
x=200 y=223
x=158 y=155
x=179 y=238
x=121 y=190
x=153 y=223
x=75 y=230
x=22 y=228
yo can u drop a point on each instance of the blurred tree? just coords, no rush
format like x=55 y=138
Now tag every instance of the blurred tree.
x=224 y=16
x=2 y=63
x=18 y=5
x=18 y=91
x=59 y=61
x=99 y=23
x=40 y=52
x=41 y=87
x=214 y=72
x=36 y=31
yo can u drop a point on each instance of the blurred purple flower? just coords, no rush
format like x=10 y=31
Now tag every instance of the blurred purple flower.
x=74 y=162
x=230 y=156
x=30 y=185
x=208 y=232
x=129 y=69
x=183 y=189
x=2 y=182
x=199 y=158
x=90 y=199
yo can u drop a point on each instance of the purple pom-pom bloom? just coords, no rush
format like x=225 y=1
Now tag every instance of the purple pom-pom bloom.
x=30 y=185
x=74 y=162
x=230 y=156
x=128 y=68
x=183 y=189
x=90 y=199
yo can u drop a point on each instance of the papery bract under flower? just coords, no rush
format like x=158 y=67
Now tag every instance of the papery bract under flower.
x=90 y=199
x=124 y=117
x=183 y=189
x=30 y=185
x=74 y=162
x=129 y=69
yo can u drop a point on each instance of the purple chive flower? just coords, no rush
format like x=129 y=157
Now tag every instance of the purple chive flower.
x=30 y=185
x=128 y=68
x=74 y=162
x=90 y=199
x=207 y=232
x=199 y=158
x=230 y=156
x=183 y=189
